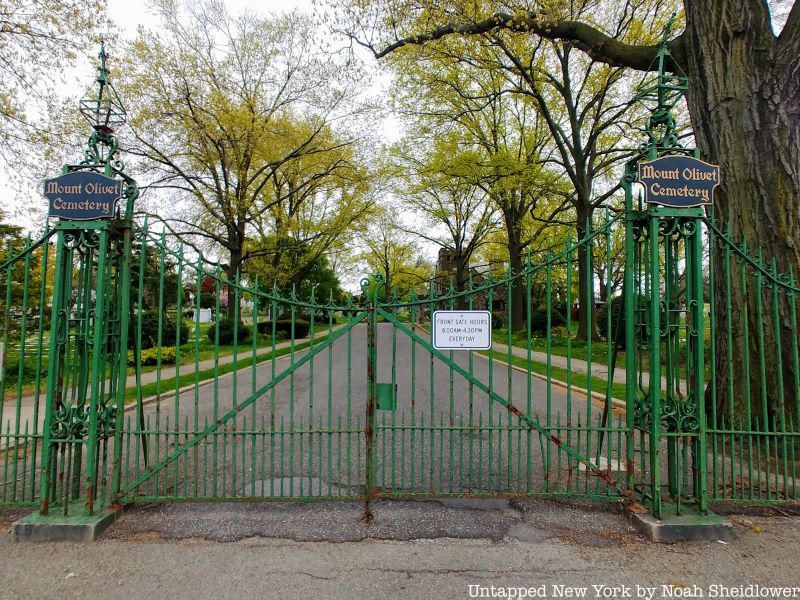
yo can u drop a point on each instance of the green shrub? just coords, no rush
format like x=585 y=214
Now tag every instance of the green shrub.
x=498 y=320
x=169 y=330
x=149 y=356
x=616 y=303
x=539 y=319
x=208 y=301
x=226 y=330
x=560 y=332
x=284 y=326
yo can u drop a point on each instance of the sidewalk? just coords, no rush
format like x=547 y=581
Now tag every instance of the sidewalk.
x=411 y=550
x=577 y=365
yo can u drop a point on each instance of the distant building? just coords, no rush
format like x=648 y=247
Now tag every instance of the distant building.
x=445 y=272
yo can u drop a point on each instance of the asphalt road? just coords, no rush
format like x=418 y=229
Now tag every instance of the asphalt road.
x=410 y=550
x=306 y=435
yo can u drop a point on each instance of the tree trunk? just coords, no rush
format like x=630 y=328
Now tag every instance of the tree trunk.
x=231 y=272
x=585 y=275
x=388 y=283
x=462 y=272
x=744 y=119
x=516 y=295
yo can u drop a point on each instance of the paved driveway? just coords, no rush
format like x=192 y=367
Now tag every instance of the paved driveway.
x=305 y=436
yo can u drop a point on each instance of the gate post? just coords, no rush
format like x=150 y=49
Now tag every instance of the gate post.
x=664 y=312
x=629 y=301
x=696 y=358
x=123 y=302
x=654 y=345
x=53 y=395
x=87 y=367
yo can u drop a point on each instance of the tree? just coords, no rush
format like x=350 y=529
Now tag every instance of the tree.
x=300 y=269
x=12 y=244
x=581 y=102
x=316 y=202
x=38 y=41
x=743 y=78
x=608 y=262
x=500 y=144
x=743 y=101
x=391 y=253
x=222 y=109
x=435 y=187
x=158 y=278
x=17 y=255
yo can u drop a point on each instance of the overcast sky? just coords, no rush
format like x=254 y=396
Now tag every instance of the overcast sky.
x=129 y=14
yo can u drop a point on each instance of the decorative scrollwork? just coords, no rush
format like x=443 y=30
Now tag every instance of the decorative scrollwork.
x=72 y=240
x=70 y=422
x=641 y=411
x=687 y=227
x=91 y=238
x=679 y=414
x=668 y=228
x=664 y=325
x=629 y=177
x=106 y=419
x=81 y=240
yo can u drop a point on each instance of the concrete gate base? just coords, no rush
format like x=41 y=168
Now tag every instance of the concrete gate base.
x=690 y=526
x=58 y=528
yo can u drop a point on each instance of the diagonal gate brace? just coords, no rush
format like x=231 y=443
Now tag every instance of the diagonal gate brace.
x=533 y=424
x=185 y=447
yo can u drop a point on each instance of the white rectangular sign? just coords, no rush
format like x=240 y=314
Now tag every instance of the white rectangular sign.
x=462 y=329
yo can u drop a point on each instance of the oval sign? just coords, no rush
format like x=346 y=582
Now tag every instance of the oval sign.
x=82 y=195
x=679 y=181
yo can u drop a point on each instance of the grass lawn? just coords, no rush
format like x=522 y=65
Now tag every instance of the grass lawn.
x=561 y=345
x=198 y=349
x=576 y=379
x=168 y=385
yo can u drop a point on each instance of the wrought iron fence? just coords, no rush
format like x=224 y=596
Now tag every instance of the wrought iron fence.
x=311 y=398
x=753 y=397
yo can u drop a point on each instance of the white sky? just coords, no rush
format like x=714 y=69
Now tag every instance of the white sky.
x=129 y=14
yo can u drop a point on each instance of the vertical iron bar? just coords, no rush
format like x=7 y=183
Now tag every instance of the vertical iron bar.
x=54 y=366
x=655 y=368
x=369 y=422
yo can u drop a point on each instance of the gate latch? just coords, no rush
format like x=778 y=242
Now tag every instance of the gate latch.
x=386 y=395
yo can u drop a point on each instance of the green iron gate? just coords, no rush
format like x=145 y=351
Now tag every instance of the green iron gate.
x=351 y=400
x=117 y=388
x=356 y=402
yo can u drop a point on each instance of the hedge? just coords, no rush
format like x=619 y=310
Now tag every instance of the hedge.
x=284 y=326
x=226 y=330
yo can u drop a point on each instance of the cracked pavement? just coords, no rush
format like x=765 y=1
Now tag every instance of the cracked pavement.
x=423 y=549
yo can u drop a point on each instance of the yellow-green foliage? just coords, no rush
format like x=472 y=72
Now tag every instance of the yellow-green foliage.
x=149 y=356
